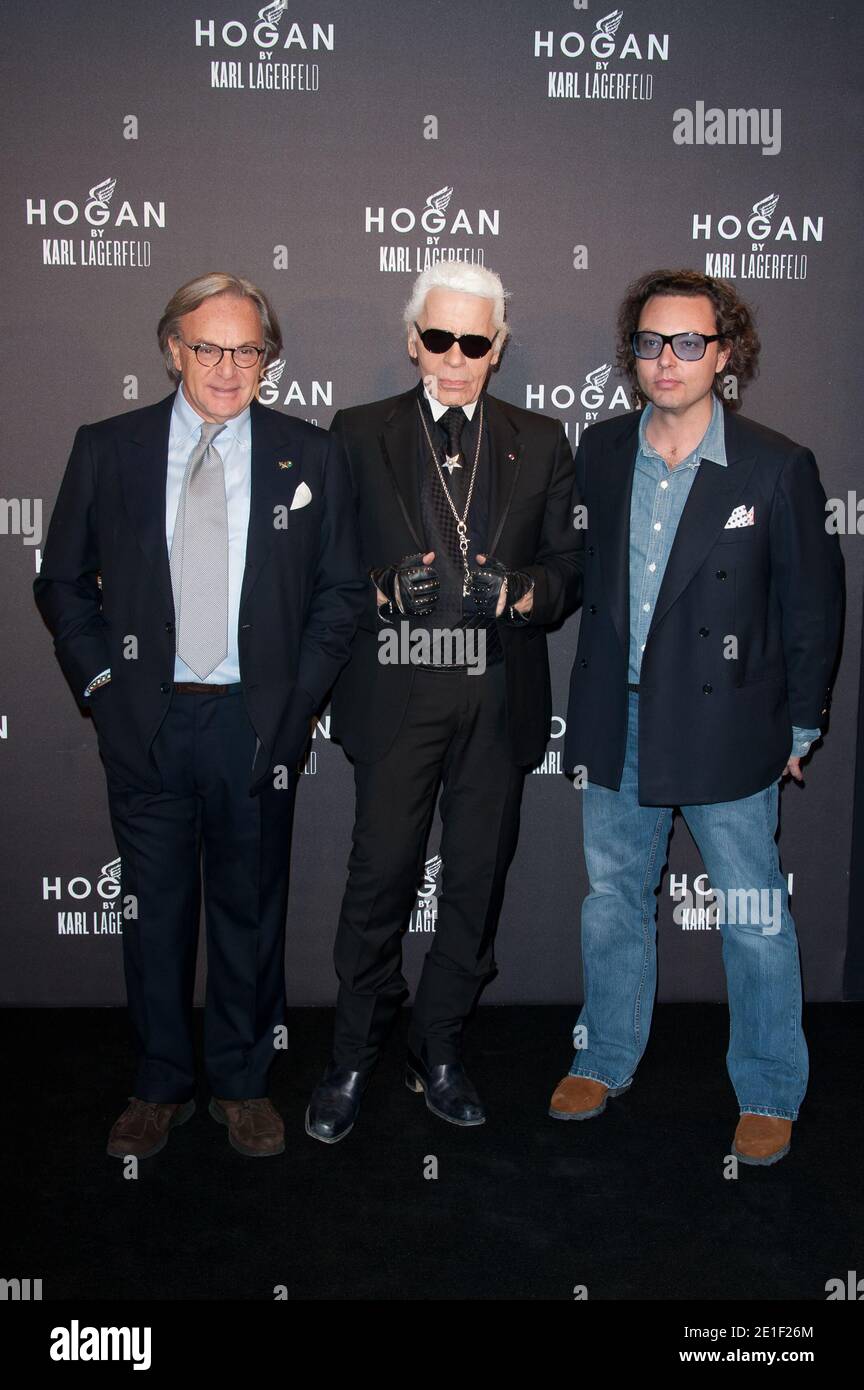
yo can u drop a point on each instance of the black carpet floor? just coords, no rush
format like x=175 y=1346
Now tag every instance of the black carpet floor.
x=631 y=1205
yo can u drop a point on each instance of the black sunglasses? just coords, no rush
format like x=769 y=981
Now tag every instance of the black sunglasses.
x=438 y=340
x=690 y=347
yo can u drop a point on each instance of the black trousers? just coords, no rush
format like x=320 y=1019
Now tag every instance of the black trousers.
x=204 y=825
x=454 y=735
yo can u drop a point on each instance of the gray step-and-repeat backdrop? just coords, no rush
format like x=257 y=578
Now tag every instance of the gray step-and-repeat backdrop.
x=329 y=149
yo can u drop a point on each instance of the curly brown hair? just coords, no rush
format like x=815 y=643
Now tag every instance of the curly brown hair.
x=734 y=322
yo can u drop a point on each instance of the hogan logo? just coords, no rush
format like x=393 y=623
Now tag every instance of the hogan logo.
x=436 y=220
x=761 y=227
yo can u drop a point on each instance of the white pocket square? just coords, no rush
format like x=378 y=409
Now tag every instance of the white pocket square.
x=741 y=516
x=302 y=497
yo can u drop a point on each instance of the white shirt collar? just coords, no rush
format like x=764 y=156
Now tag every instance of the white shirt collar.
x=438 y=409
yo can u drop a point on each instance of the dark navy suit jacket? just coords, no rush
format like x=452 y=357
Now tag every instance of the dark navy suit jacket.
x=105 y=577
x=712 y=727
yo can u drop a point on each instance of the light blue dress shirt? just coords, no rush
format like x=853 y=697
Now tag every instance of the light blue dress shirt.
x=657 y=501
x=234 y=444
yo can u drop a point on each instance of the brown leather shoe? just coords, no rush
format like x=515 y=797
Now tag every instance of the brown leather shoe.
x=761 y=1139
x=254 y=1127
x=142 y=1129
x=581 y=1097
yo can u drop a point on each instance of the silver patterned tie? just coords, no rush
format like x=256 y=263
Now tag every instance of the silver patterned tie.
x=199 y=559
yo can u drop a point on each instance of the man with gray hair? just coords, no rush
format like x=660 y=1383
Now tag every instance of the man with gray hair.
x=465 y=533
x=202 y=584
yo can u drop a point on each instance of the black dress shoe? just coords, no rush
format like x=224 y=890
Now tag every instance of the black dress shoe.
x=335 y=1103
x=449 y=1091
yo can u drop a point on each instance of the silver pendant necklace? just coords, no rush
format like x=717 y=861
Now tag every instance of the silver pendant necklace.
x=461 y=522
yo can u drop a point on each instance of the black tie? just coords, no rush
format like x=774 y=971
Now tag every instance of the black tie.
x=453 y=422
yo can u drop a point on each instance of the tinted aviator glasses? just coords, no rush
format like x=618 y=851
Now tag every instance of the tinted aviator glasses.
x=690 y=347
x=438 y=340
x=210 y=355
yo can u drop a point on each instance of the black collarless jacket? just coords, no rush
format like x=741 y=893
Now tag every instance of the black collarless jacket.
x=302 y=585
x=715 y=716
x=529 y=528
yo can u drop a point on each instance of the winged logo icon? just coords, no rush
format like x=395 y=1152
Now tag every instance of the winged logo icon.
x=112 y=870
x=273 y=374
x=437 y=202
x=103 y=192
x=599 y=376
x=608 y=25
x=431 y=874
x=764 y=209
x=272 y=13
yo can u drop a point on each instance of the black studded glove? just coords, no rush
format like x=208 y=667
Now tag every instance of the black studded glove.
x=484 y=588
x=416 y=593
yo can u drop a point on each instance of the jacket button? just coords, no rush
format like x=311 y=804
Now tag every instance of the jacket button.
x=721 y=574
x=169 y=627
x=590 y=550
x=165 y=687
x=703 y=631
x=707 y=689
x=583 y=663
x=593 y=608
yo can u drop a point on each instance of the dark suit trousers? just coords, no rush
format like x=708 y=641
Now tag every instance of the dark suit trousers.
x=454 y=734
x=204 y=825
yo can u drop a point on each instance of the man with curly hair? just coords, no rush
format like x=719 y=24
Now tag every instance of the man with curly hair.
x=710 y=626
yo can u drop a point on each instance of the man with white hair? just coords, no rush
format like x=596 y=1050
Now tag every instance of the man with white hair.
x=465 y=530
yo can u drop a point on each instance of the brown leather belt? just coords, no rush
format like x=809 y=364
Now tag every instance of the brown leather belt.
x=196 y=688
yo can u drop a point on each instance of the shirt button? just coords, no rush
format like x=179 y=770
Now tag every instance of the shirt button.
x=642 y=648
x=646 y=608
x=656 y=525
x=652 y=567
x=664 y=483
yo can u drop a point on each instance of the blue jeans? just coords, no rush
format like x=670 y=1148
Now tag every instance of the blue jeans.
x=625 y=852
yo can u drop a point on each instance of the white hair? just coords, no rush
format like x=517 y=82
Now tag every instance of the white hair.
x=465 y=278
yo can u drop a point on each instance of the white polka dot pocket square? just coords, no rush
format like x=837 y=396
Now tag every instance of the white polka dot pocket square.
x=742 y=516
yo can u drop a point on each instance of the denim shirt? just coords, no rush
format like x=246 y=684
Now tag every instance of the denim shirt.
x=657 y=501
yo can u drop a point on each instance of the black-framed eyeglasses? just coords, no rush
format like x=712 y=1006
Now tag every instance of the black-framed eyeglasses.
x=690 y=347
x=438 y=340
x=210 y=354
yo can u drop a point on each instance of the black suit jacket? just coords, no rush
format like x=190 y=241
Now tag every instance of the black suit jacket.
x=302 y=587
x=711 y=728
x=530 y=529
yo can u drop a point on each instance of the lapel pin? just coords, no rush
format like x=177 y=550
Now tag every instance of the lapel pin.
x=286 y=463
